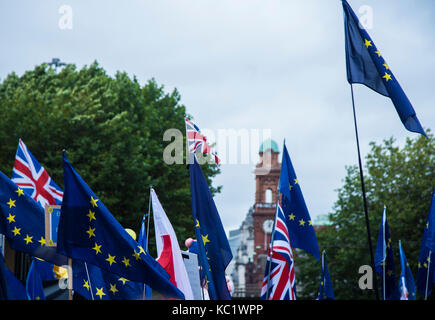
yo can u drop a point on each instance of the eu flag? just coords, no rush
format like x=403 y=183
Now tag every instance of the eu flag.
x=299 y=224
x=22 y=222
x=406 y=282
x=88 y=232
x=214 y=249
x=366 y=65
x=326 y=292
x=93 y=283
x=34 y=288
x=384 y=261
x=10 y=287
x=426 y=259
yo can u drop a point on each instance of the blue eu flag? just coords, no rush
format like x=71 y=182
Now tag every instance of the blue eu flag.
x=384 y=261
x=93 y=283
x=34 y=288
x=366 y=65
x=300 y=226
x=406 y=281
x=214 y=249
x=10 y=287
x=426 y=259
x=88 y=232
x=22 y=222
x=326 y=292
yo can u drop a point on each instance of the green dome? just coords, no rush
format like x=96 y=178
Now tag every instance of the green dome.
x=269 y=144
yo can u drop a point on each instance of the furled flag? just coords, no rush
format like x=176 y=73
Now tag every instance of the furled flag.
x=326 y=292
x=22 y=222
x=279 y=278
x=426 y=259
x=88 y=232
x=10 y=287
x=33 y=179
x=300 y=226
x=168 y=249
x=406 y=281
x=143 y=242
x=93 y=283
x=384 y=261
x=34 y=288
x=196 y=141
x=365 y=65
x=214 y=249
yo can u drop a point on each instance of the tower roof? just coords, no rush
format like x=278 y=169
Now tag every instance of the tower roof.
x=269 y=144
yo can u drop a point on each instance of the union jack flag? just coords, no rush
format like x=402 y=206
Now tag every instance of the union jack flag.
x=197 y=141
x=30 y=176
x=279 y=279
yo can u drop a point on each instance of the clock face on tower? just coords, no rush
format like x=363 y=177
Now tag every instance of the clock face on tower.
x=267 y=226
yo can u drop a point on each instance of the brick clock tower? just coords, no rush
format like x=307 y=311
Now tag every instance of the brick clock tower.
x=267 y=173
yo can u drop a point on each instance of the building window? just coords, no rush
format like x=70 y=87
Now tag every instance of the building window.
x=268 y=196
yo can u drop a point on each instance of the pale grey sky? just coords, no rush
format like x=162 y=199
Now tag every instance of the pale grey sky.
x=252 y=64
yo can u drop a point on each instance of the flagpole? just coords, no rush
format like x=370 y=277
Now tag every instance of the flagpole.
x=369 y=238
x=427 y=276
x=148 y=231
x=89 y=280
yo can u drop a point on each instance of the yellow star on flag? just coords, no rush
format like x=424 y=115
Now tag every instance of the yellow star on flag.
x=205 y=239
x=291 y=216
x=97 y=248
x=91 y=232
x=310 y=222
x=100 y=293
x=111 y=259
x=301 y=222
x=11 y=203
x=123 y=280
x=296 y=181
x=126 y=262
x=16 y=231
x=136 y=255
x=42 y=241
x=197 y=223
x=11 y=218
x=378 y=53
x=367 y=43
x=28 y=239
x=386 y=66
x=91 y=215
x=94 y=202
x=86 y=284
x=141 y=250
x=20 y=192
x=387 y=77
x=113 y=288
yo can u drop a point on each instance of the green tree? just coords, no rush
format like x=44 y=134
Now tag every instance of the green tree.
x=112 y=129
x=401 y=178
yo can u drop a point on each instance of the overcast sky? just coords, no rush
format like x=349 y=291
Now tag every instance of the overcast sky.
x=246 y=64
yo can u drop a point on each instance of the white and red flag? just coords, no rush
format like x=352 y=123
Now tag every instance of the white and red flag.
x=168 y=250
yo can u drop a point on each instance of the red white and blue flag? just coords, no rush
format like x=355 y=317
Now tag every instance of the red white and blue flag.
x=197 y=141
x=33 y=179
x=279 y=279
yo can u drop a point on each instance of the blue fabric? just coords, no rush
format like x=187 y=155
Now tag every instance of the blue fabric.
x=426 y=259
x=326 y=292
x=365 y=65
x=385 y=255
x=88 y=232
x=143 y=242
x=10 y=287
x=406 y=281
x=214 y=249
x=22 y=222
x=34 y=288
x=301 y=231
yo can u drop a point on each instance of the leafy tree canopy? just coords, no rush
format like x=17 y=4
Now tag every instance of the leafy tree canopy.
x=401 y=178
x=112 y=129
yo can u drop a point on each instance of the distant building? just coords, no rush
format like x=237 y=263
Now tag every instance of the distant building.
x=251 y=240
